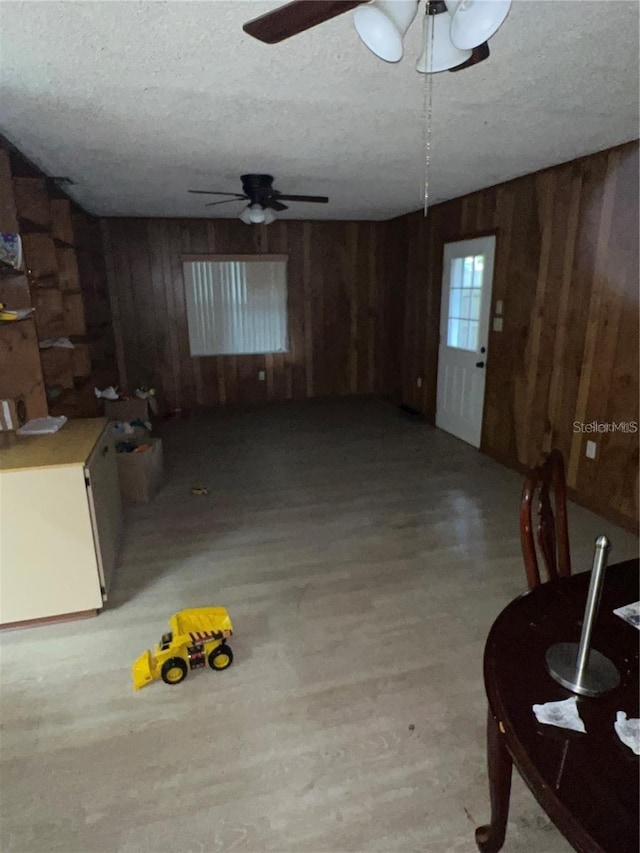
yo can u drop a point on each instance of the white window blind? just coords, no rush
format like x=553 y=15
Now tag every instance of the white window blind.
x=236 y=307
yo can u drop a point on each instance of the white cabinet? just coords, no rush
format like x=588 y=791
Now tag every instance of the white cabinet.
x=60 y=522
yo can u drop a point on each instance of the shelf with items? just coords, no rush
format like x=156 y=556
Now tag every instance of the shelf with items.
x=21 y=374
x=8 y=270
x=64 y=280
x=9 y=314
x=21 y=371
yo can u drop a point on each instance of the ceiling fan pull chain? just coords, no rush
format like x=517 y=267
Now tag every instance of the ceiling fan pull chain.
x=428 y=113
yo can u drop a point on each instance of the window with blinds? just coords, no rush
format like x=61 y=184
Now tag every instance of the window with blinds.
x=237 y=306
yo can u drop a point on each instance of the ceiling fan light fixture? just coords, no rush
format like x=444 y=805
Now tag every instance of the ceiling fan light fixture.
x=475 y=21
x=439 y=54
x=245 y=215
x=382 y=25
x=255 y=214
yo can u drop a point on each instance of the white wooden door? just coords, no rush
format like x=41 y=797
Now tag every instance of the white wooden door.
x=467 y=274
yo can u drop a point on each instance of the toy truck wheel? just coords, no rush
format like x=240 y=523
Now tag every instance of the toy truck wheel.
x=221 y=658
x=174 y=671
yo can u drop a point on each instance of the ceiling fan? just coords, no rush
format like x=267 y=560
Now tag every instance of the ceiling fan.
x=263 y=199
x=455 y=32
x=455 y=35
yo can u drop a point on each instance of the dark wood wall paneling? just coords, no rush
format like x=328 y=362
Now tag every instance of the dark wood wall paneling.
x=566 y=269
x=364 y=306
x=337 y=301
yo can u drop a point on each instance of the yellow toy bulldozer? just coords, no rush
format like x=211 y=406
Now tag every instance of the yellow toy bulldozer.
x=197 y=637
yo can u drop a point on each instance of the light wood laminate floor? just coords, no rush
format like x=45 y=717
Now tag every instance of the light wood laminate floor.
x=363 y=558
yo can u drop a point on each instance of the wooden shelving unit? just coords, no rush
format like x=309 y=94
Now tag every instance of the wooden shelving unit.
x=21 y=374
x=65 y=282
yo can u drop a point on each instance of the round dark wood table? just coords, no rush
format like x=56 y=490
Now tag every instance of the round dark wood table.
x=587 y=783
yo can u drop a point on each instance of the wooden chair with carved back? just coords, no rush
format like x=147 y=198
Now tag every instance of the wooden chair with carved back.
x=551 y=534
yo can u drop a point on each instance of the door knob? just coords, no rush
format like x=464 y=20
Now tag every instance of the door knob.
x=479 y=363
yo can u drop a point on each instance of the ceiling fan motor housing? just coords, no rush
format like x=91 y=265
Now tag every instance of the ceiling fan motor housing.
x=259 y=188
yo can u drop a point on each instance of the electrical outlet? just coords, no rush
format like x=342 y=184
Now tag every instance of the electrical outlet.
x=261 y=376
x=498 y=306
x=419 y=381
x=497 y=324
x=590 y=452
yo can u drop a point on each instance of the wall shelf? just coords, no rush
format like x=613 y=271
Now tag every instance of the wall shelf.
x=44 y=282
x=27 y=226
x=63 y=282
x=4 y=323
x=7 y=271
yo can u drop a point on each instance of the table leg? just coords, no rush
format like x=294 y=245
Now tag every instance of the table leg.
x=491 y=838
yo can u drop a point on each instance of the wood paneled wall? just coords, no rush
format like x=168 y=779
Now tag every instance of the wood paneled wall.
x=364 y=306
x=566 y=269
x=337 y=303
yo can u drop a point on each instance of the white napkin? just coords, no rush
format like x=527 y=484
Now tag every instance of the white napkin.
x=43 y=426
x=630 y=613
x=109 y=393
x=563 y=714
x=628 y=731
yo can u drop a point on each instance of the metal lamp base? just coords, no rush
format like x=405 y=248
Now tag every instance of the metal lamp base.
x=599 y=676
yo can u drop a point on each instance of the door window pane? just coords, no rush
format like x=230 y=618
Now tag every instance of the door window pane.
x=454 y=302
x=456 y=272
x=474 y=313
x=472 y=335
x=465 y=304
x=467 y=276
x=453 y=333
x=464 y=334
x=465 y=295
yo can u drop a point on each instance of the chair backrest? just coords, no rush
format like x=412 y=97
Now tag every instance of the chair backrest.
x=551 y=529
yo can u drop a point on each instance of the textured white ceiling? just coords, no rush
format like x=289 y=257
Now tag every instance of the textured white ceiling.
x=138 y=101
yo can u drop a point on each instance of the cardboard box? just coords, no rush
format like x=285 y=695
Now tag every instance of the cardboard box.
x=141 y=473
x=127 y=410
x=137 y=434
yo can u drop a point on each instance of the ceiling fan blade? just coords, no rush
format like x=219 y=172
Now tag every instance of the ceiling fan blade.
x=478 y=54
x=226 y=201
x=275 y=205
x=318 y=199
x=215 y=192
x=295 y=17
